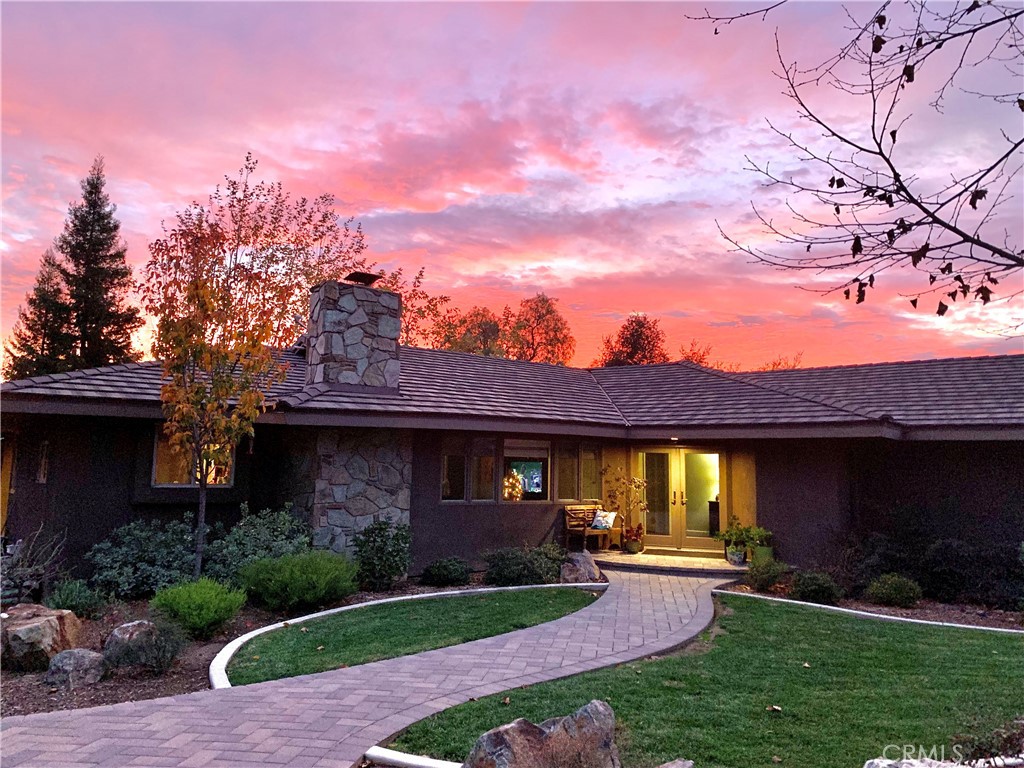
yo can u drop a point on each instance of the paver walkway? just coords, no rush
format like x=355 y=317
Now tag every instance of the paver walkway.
x=330 y=719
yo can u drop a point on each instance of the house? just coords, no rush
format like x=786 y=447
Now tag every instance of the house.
x=478 y=452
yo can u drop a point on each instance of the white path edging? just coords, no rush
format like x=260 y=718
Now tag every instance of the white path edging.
x=395 y=759
x=868 y=614
x=218 y=667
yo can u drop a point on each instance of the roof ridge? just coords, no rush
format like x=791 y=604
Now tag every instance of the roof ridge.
x=880 y=363
x=739 y=377
x=608 y=397
x=77 y=373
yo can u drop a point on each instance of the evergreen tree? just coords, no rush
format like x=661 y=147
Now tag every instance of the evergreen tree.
x=42 y=341
x=98 y=278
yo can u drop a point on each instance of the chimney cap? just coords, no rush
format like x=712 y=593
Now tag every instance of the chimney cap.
x=363 y=278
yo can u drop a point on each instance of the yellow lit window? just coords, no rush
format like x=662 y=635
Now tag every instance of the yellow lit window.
x=175 y=467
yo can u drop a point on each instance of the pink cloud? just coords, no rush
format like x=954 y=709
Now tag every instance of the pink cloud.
x=582 y=149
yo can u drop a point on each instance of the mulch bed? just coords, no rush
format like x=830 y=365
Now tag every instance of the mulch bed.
x=23 y=693
x=925 y=610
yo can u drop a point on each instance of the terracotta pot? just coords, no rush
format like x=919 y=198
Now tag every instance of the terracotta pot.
x=632 y=547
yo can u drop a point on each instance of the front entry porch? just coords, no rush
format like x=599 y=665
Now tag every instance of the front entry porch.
x=657 y=561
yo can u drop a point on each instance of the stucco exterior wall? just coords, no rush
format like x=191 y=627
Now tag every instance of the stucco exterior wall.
x=803 y=497
x=966 y=490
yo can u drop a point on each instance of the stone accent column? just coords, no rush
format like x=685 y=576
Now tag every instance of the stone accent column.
x=363 y=476
x=352 y=337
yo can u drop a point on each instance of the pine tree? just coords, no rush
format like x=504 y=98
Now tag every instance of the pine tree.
x=98 y=278
x=42 y=341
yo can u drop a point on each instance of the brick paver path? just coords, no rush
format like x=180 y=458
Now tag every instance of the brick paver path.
x=329 y=720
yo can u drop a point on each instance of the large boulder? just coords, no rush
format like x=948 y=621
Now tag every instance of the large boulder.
x=580 y=568
x=584 y=739
x=130 y=644
x=31 y=635
x=75 y=668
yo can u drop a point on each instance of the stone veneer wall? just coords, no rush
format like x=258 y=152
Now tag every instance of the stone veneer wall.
x=360 y=476
x=352 y=336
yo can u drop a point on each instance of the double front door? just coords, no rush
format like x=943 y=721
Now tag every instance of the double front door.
x=683 y=497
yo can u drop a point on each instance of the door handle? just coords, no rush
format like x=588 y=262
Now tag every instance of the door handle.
x=674 y=493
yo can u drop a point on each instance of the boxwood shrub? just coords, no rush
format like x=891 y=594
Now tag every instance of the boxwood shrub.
x=894 y=590
x=815 y=587
x=446 y=572
x=294 y=582
x=199 y=607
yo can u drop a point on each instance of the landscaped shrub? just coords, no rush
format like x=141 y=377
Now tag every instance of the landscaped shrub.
x=157 y=653
x=446 y=572
x=553 y=551
x=515 y=566
x=762 y=575
x=879 y=554
x=815 y=587
x=307 y=580
x=948 y=570
x=270 y=533
x=893 y=589
x=76 y=596
x=30 y=568
x=382 y=551
x=199 y=607
x=146 y=555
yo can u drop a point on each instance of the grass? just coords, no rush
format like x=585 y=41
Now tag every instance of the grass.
x=868 y=684
x=396 y=629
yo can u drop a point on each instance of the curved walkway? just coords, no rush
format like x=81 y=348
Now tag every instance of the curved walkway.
x=330 y=719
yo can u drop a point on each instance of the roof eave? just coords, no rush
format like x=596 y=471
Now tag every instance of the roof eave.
x=15 y=402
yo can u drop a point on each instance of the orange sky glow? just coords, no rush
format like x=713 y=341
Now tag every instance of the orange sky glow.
x=586 y=150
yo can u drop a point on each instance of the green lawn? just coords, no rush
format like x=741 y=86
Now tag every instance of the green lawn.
x=869 y=684
x=396 y=629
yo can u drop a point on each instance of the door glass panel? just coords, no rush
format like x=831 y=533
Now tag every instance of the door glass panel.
x=702 y=489
x=657 y=476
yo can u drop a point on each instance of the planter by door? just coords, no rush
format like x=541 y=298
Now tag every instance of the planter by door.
x=632 y=547
x=736 y=555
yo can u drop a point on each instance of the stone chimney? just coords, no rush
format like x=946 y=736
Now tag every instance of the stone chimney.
x=352 y=337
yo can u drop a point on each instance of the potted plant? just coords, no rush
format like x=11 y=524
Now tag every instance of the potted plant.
x=735 y=538
x=633 y=539
x=625 y=495
x=759 y=542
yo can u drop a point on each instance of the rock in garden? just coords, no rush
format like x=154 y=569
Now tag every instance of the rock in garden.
x=680 y=763
x=923 y=762
x=129 y=643
x=580 y=568
x=33 y=634
x=75 y=668
x=584 y=739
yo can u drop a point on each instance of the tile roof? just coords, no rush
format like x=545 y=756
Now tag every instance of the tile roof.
x=459 y=384
x=685 y=394
x=962 y=391
x=956 y=392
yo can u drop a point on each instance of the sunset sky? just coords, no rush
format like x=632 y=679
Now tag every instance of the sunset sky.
x=582 y=149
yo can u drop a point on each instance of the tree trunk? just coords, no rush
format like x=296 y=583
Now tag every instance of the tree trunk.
x=200 y=529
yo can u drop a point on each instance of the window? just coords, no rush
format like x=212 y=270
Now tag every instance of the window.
x=525 y=475
x=590 y=473
x=453 y=477
x=481 y=470
x=175 y=467
x=568 y=472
